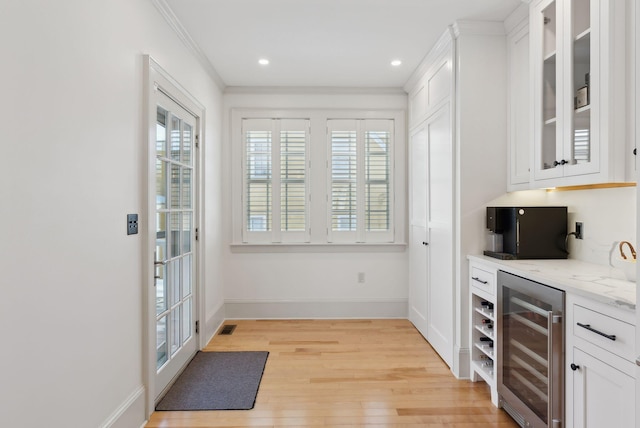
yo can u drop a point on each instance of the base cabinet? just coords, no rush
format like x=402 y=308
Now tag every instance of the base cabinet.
x=602 y=396
x=600 y=372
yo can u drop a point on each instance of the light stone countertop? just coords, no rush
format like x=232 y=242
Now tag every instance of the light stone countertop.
x=602 y=283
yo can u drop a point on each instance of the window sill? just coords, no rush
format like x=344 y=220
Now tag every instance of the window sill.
x=319 y=248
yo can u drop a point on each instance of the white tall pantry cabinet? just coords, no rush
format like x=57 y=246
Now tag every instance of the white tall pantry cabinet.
x=457 y=164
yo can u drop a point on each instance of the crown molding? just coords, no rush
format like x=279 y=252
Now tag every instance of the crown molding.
x=478 y=28
x=182 y=33
x=304 y=90
x=518 y=18
x=442 y=46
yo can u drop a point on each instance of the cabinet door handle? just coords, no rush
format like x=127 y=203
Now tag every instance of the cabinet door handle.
x=588 y=327
x=574 y=367
x=479 y=280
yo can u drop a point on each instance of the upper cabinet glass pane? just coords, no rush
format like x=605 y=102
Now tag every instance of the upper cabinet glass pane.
x=581 y=135
x=581 y=17
x=549 y=86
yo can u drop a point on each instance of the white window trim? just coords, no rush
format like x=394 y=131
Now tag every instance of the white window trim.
x=318 y=181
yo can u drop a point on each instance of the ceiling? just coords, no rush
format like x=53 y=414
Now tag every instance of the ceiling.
x=322 y=43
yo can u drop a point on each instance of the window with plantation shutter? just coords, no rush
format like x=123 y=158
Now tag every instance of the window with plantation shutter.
x=360 y=159
x=275 y=198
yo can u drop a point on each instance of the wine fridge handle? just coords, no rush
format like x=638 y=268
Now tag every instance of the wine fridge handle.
x=554 y=349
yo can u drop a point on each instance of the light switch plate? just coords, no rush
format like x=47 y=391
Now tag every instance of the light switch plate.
x=132 y=224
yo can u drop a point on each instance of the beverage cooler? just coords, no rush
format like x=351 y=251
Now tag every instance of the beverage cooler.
x=530 y=354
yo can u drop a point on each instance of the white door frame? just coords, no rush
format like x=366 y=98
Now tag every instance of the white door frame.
x=156 y=77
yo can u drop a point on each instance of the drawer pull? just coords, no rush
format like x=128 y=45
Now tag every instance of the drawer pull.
x=479 y=280
x=588 y=327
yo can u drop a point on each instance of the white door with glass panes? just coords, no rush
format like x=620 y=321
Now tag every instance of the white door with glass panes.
x=174 y=186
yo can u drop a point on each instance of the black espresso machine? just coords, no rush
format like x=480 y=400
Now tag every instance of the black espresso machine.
x=528 y=232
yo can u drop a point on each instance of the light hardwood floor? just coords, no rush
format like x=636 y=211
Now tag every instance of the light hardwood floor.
x=351 y=373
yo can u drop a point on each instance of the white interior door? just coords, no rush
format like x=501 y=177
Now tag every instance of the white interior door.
x=440 y=233
x=418 y=242
x=173 y=183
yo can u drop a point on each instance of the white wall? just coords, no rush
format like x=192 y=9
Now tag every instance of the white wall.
x=317 y=282
x=72 y=166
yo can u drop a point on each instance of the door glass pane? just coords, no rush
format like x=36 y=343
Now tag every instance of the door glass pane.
x=186 y=187
x=175 y=138
x=162 y=349
x=175 y=186
x=549 y=113
x=161 y=184
x=161 y=290
x=161 y=236
x=175 y=234
x=174 y=281
x=186 y=232
x=581 y=147
x=186 y=320
x=186 y=276
x=161 y=132
x=187 y=140
x=176 y=318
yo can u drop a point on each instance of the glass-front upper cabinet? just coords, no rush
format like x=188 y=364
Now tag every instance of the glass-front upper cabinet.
x=579 y=78
x=550 y=77
x=581 y=71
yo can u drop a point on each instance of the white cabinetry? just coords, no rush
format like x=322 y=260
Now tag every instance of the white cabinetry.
x=431 y=296
x=578 y=64
x=600 y=380
x=457 y=165
x=484 y=343
x=520 y=108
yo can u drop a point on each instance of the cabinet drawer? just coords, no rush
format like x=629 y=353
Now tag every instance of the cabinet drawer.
x=483 y=280
x=594 y=327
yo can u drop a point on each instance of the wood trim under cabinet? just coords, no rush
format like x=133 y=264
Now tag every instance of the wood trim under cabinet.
x=590 y=186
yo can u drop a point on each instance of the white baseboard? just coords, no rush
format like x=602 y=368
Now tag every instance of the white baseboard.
x=305 y=309
x=130 y=413
x=212 y=325
x=461 y=363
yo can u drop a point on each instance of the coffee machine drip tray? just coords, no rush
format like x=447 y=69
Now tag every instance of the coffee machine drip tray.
x=501 y=256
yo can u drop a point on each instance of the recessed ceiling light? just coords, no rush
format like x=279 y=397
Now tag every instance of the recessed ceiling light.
x=263 y=61
x=396 y=62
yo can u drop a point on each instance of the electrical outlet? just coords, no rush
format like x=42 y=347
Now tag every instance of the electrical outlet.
x=132 y=224
x=579 y=230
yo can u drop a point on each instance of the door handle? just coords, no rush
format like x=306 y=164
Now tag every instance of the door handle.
x=425 y=243
x=159 y=263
